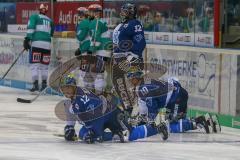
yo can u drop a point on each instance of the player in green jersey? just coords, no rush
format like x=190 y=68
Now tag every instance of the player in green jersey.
x=40 y=29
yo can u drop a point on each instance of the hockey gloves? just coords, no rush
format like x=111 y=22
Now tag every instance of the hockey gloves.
x=78 y=53
x=69 y=133
x=26 y=43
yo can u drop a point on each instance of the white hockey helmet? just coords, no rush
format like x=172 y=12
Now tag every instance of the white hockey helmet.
x=82 y=11
x=43 y=8
x=95 y=7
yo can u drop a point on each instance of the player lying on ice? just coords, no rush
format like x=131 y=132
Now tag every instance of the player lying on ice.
x=156 y=94
x=98 y=113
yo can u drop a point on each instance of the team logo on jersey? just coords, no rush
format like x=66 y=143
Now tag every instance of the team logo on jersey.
x=138 y=37
x=36 y=57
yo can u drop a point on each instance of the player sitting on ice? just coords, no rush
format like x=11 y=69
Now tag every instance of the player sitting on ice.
x=155 y=94
x=97 y=113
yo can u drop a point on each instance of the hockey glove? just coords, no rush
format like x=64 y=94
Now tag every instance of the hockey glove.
x=26 y=43
x=89 y=52
x=69 y=133
x=78 y=52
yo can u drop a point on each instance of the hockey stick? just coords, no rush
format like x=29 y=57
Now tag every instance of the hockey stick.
x=14 y=62
x=22 y=100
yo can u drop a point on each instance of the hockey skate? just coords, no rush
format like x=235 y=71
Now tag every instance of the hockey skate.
x=162 y=130
x=202 y=124
x=44 y=85
x=216 y=124
x=35 y=87
x=88 y=138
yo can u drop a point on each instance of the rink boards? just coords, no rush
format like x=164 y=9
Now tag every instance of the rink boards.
x=209 y=75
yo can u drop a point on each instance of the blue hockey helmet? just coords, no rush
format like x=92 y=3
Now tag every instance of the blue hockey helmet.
x=68 y=80
x=128 y=11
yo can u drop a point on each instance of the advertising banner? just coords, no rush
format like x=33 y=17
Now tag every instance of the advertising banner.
x=65 y=13
x=209 y=75
x=183 y=39
x=25 y=9
x=17 y=28
x=162 y=38
x=204 y=40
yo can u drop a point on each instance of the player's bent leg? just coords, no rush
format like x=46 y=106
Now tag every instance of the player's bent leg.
x=181 y=126
x=141 y=132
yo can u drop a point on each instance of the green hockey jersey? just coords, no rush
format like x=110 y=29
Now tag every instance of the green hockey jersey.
x=82 y=34
x=101 y=43
x=40 y=29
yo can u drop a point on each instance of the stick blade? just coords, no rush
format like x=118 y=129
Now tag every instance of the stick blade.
x=23 y=100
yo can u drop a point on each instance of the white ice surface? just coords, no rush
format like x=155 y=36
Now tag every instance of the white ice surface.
x=27 y=133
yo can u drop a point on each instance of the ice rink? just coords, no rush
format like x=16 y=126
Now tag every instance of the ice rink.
x=27 y=133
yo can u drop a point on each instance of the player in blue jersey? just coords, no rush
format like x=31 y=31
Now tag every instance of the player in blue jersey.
x=128 y=36
x=98 y=113
x=156 y=94
x=128 y=46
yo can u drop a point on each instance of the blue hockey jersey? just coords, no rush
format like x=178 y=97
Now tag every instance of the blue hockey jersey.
x=129 y=37
x=157 y=94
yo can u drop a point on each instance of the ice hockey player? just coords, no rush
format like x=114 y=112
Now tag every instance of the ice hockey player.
x=82 y=31
x=40 y=29
x=128 y=41
x=97 y=113
x=82 y=35
x=100 y=46
x=128 y=36
x=156 y=94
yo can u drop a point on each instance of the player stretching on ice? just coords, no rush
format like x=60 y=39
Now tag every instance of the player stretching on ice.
x=38 y=40
x=155 y=95
x=97 y=113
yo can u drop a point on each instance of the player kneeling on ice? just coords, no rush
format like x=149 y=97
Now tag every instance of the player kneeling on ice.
x=98 y=113
x=156 y=94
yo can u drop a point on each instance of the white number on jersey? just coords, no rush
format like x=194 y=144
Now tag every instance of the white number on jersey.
x=85 y=99
x=144 y=91
x=46 y=25
x=138 y=28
